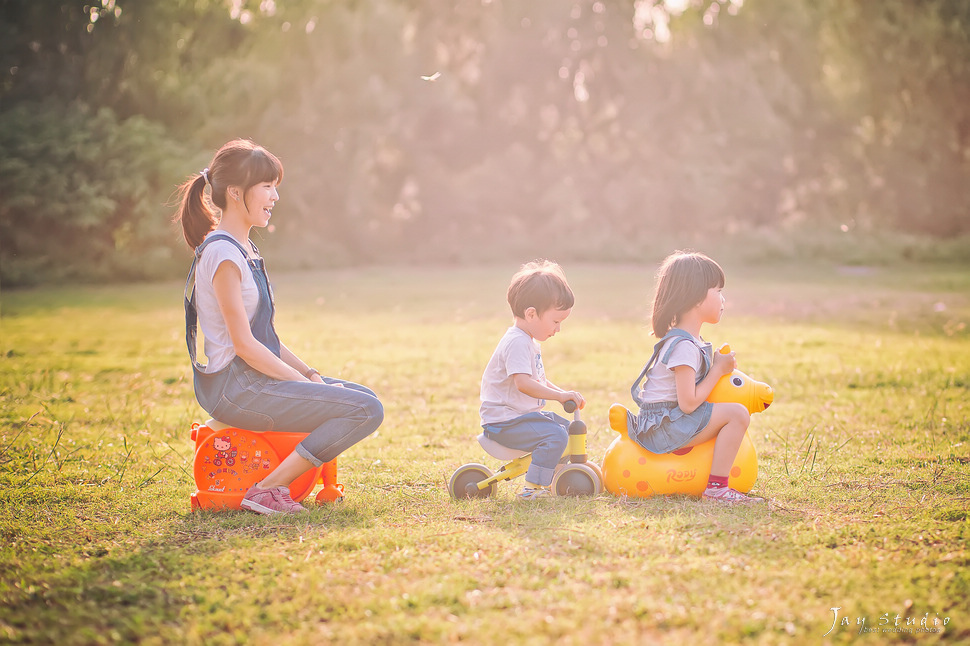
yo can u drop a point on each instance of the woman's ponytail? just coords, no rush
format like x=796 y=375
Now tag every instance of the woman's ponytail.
x=194 y=212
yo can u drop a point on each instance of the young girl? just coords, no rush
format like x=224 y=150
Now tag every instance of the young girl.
x=252 y=380
x=674 y=411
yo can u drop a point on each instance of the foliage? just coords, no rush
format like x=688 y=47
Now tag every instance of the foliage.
x=470 y=130
x=82 y=193
x=864 y=455
x=898 y=73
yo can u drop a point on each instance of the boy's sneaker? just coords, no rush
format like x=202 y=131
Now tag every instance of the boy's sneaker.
x=270 y=501
x=729 y=496
x=533 y=493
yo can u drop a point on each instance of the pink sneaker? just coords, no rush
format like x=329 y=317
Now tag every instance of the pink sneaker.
x=729 y=496
x=270 y=501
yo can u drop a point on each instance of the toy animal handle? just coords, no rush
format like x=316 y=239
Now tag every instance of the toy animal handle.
x=569 y=406
x=725 y=349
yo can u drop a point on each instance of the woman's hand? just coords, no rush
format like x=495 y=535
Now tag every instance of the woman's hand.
x=310 y=374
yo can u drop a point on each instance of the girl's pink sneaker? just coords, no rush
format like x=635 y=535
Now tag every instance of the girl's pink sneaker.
x=270 y=501
x=729 y=496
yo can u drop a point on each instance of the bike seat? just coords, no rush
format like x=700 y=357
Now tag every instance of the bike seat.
x=499 y=451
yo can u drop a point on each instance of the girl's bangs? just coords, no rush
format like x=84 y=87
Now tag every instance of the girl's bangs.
x=713 y=273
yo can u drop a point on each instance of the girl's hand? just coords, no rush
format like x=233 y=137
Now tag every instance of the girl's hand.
x=724 y=364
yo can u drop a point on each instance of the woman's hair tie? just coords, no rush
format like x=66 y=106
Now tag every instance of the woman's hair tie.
x=205 y=175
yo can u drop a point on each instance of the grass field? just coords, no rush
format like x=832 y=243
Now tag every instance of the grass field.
x=865 y=457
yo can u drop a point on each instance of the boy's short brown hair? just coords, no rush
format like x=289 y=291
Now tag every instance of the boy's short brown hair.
x=540 y=284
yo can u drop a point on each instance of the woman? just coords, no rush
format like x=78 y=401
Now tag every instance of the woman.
x=252 y=380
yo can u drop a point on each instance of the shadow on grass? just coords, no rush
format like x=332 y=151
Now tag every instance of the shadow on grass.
x=124 y=587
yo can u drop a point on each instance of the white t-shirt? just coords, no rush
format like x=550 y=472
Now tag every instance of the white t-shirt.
x=516 y=353
x=661 y=385
x=218 y=345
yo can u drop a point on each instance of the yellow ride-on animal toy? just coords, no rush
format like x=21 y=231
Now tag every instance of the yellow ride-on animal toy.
x=574 y=475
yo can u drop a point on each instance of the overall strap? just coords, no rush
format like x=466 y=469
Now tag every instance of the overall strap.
x=191 y=313
x=674 y=333
x=681 y=336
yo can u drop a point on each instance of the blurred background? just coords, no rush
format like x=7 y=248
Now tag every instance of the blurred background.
x=463 y=131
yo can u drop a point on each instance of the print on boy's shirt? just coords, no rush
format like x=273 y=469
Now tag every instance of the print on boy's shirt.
x=540 y=375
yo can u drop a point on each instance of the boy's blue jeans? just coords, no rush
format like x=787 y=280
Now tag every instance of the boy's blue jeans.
x=543 y=433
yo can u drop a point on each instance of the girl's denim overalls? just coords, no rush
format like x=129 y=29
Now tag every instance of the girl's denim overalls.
x=662 y=427
x=336 y=414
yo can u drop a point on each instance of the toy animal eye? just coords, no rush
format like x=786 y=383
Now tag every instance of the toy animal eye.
x=737 y=381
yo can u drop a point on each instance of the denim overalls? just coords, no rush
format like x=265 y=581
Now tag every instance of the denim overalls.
x=209 y=386
x=661 y=427
x=336 y=414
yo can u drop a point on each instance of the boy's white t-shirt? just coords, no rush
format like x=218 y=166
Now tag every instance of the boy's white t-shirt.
x=218 y=345
x=516 y=353
x=661 y=385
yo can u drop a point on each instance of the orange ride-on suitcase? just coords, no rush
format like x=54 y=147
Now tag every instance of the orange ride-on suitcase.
x=228 y=461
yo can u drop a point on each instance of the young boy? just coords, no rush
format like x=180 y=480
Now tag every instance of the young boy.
x=514 y=386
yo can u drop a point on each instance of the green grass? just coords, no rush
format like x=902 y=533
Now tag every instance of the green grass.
x=865 y=456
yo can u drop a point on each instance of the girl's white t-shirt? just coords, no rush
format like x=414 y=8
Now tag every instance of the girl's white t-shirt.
x=661 y=385
x=218 y=345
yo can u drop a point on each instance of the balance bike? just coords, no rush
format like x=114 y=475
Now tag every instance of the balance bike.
x=574 y=475
x=228 y=461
